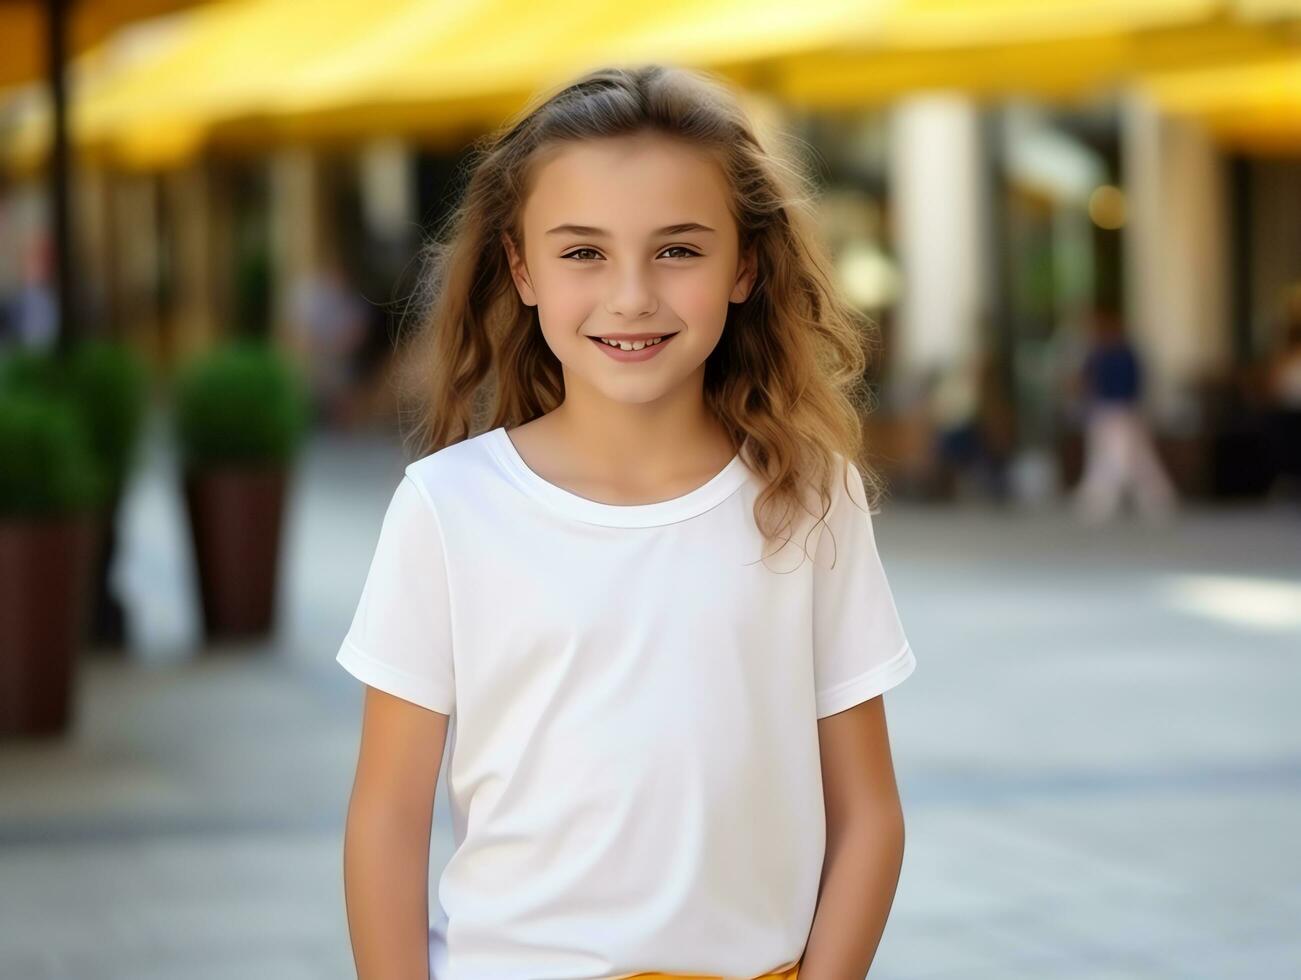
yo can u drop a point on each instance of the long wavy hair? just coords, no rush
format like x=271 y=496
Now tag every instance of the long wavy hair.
x=786 y=378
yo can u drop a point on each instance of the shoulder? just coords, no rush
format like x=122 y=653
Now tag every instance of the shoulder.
x=426 y=491
x=846 y=504
x=454 y=471
x=847 y=485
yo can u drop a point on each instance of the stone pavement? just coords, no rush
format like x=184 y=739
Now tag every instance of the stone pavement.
x=1099 y=753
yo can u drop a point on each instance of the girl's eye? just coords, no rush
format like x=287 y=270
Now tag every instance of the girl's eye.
x=690 y=253
x=576 y=253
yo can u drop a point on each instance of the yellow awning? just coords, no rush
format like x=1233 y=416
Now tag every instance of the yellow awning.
x=433 y=69
x=227 y=62
x=504 y=45
x=1254 y=106
x=1058 y=49
x=257 y=68
x=257 y=71
x=420 y=72
x=218 y=61
x=823 y=52
x=23 y=31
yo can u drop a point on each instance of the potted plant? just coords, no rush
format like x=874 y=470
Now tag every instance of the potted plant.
x=106 y=384
x=50 y=489
x=241 y=415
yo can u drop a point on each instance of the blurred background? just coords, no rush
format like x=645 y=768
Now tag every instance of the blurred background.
x=1078 y=225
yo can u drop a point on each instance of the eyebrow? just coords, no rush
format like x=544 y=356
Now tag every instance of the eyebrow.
x=679 y=229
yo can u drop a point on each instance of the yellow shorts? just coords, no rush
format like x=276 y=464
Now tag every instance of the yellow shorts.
x=790 y=974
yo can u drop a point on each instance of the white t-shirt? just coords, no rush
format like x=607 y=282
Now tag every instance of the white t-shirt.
x=633 y=772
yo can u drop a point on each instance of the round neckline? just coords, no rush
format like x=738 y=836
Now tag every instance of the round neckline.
x=690 y=504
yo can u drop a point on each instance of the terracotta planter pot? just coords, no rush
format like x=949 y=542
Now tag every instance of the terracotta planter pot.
x=235 y=519
x=45 y=568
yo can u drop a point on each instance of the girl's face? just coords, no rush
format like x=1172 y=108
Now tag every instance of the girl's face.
x=630 y=236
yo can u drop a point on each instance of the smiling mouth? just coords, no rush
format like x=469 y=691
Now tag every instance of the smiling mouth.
x=631 y=345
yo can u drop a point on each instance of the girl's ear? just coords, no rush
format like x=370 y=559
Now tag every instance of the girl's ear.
x=749 y=268
x=518 y=271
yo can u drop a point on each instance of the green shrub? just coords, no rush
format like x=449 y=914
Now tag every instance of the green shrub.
x=111 y=384
x=105 y=383
x=36 y=372
x=49 y=469
x=241 y=403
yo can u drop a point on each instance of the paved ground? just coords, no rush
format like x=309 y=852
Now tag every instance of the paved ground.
x=1100 y=754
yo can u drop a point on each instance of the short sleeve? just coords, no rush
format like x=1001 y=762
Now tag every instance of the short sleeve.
x=400 y=638
x=859 y=646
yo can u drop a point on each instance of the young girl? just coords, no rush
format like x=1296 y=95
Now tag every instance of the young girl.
x=641 y=598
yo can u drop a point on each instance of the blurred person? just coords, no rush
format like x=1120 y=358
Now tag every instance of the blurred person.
x=646 y=674
x=329 y=321
x=1119 y=453
x=34 y=317
x=1283 y=399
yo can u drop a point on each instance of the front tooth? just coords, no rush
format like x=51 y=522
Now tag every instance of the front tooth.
x=632 y=345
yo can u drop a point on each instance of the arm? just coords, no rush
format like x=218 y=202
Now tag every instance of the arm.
x=386 y=841
x=865 y=843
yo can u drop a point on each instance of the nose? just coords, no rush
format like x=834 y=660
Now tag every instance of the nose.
x=632 y=297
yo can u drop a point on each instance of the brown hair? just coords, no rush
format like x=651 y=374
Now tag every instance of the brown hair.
x=786 y=378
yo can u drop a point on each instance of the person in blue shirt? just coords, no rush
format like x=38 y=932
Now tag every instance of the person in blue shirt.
x=1119 y=454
